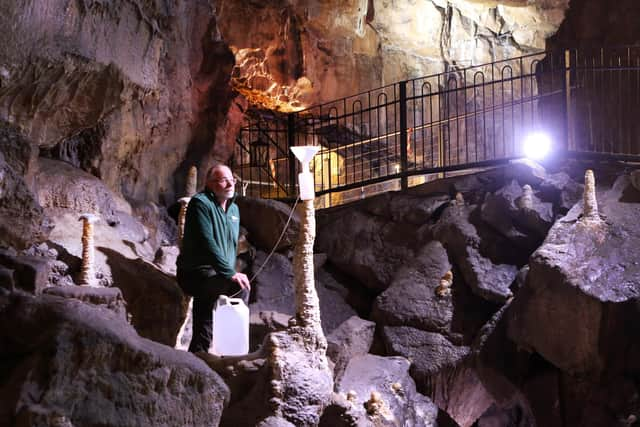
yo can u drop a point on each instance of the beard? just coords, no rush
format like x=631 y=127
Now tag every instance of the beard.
x=226 y=194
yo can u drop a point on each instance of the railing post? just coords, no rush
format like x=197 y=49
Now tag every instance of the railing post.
x=568 y=116
x=291 y=140
x=404 y=183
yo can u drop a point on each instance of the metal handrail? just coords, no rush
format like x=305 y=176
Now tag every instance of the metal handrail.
x=461 y=118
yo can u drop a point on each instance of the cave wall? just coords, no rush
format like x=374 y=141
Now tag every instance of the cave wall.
x=598 y=23
x=291 y=54
x=120 y=89
x=135 y=91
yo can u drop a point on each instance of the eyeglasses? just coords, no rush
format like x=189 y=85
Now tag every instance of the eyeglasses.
x=223 y=181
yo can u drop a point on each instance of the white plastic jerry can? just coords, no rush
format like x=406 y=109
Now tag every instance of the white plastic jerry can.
x=230 y=327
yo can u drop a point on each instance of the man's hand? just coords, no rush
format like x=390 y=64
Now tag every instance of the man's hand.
x=242 y=280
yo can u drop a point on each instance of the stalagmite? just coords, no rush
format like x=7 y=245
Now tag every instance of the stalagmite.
x=184 y=202
x=192 y=182
x=307 y=303
x=526 y=201
x=87 y=272
x=459 y=201
x=590 y=212
x=444 y=287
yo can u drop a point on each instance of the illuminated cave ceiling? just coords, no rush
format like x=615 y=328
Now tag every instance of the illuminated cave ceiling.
x=291 y=54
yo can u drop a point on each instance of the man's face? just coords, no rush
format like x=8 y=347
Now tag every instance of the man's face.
x=222 y=183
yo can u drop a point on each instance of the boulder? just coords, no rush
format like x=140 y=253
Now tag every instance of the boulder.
x=473 y=186
x=352 y=338
x=463 y=243
x=398 y=402
x=156 y=303
x=442 y=371
x=165 y=259
x=561 y=190
x=265 y=219
x=405 y=208
x=523 y=227
x=30 y=273
x=414 y=299
x=411 y=300
x=582 y=290
x=70 y=363
x=161 y=229
x=60 y=271
x=274 y=291
x=367 y=247
x=109 y=298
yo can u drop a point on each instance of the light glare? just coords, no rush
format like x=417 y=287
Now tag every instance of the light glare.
x=537 y=145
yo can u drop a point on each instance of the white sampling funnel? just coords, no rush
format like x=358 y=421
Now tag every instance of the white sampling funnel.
x=304 y=154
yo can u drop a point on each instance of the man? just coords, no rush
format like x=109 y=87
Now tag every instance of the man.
x=206 y=264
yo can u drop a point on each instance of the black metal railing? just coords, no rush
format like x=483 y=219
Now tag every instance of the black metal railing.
x=586 y=100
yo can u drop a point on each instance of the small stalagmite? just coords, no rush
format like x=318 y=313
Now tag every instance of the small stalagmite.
x=590 y=212
x=526 y=201
x=444 y=287
x=192 y=182
x=182 y=215
x=87 y=272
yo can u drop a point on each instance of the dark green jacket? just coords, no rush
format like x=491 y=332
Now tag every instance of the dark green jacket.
x=210 y=235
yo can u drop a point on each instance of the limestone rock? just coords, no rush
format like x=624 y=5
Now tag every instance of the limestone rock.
x=165 y=259
x=86 y=365
x=523 y=227
x=156 y=303
x=109 y=298
x=301 y=382
x=352 y=338
x=264 y=219
x=22 y=219
x=442 y=371
x=274 y=292
x=411 y=299
x=405 y=208
x=582 y=285
x=114 y=112
x=313 y=53
x=63 y=186
x=400 y=404
x=562 y=191
x=160 y=228
x=29 y=273
x=460 y=237
x=370 y=248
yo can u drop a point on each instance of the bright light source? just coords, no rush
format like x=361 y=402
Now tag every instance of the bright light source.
x=537 y=145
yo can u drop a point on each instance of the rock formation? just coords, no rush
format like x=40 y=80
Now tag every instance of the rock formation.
x=496 y=298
